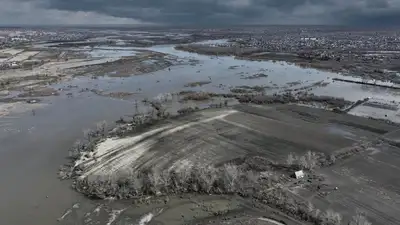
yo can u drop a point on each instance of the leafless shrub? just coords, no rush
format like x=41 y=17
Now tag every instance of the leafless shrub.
x=231 y=175
x=208 y=178
x=308 y=161
x=291 y=159
x=76 y=150
x=311 y=160
x=101 y=128
x=88 y=134
x=359 y=219
x=299 y=209
x=158 y=109
x=330 y=217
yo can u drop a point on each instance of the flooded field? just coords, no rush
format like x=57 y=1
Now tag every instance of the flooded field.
x=35 y=136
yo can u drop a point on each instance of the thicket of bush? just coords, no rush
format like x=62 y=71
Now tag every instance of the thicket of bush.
x=227 y=179
x=301 y=210
x=289 y=97
x=310 y=160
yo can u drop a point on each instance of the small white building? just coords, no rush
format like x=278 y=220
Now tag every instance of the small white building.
x=14 y=65
x=299 y=174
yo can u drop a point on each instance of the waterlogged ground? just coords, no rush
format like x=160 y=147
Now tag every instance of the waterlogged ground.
x=35 y=143
x=227 y=72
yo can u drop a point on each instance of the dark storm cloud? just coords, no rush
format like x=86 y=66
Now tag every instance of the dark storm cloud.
x=377 y=4
x=158 y=11
x=183 y=11
x=233 y=11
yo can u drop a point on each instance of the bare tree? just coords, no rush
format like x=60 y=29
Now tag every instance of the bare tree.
x=303 y=162
x=290 y=159
x=207 y=177
x=310 y=207
x=101 y=128
x=311 y=158
x=231 y=173
x=332 y=158
x=88 y=133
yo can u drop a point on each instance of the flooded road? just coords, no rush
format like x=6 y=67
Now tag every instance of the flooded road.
x=34 y=146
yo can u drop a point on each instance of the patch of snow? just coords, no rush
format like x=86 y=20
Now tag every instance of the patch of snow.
x=114 y=215
x=270 y=221
x=115 y=154
x=146 y=219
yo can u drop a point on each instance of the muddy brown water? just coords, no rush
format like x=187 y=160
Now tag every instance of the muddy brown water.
x=32 y=148
x=32 y=154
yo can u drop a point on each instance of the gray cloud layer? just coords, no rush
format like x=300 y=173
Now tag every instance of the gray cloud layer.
x=202 y=12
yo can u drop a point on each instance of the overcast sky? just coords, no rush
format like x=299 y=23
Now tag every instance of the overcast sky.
x=201 y=12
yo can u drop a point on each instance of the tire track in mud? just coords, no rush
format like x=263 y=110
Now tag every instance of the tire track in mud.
x=119 y=149
x=385 y=218
x=286 y=132
x=177 y=146
x=171 y=150
x=204 y=148
x=266 y=141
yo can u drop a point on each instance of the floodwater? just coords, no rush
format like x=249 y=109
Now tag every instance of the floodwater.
x=34 y=146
